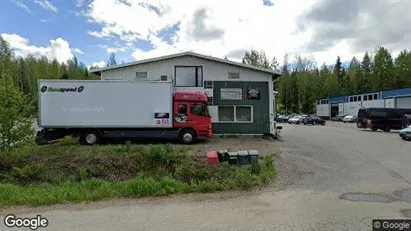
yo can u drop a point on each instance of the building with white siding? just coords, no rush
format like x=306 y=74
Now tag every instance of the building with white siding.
x=241 y=96
x=350 y=104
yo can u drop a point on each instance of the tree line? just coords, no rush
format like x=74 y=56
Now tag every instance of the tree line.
x=303 y=81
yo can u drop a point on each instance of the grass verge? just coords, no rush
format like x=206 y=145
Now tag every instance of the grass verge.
x=66 y=172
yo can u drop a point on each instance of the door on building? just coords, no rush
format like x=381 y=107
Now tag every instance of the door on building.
x=340 y=109
x=403 y=102
x=334 y=110
x=389 y=103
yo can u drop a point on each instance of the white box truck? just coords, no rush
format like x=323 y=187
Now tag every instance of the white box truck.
x=97 y=110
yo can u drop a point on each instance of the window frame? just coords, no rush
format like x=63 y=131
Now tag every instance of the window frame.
x=233 y=72
x=235 y=114
x=141 y=72
x=207 y=86
x=186 y=108
x=198 y=83
x=204 y=107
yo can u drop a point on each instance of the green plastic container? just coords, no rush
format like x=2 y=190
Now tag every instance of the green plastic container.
x=243 y=157
x=233 y=158
x=253 y=156
x=222 y=155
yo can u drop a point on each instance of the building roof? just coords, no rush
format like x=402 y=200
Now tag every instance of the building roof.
x=188 y=53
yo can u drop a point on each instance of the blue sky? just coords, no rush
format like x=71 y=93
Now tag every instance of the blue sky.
x=40 y=25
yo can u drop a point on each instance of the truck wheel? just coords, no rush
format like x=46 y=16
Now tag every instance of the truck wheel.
x=387 y=129
x=374 y=129
x=90 y=138
x=187 y=136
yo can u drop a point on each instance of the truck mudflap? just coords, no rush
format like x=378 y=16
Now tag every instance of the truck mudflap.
x=40 y=138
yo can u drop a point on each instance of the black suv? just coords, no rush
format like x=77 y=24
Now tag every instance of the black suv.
x=314 y=120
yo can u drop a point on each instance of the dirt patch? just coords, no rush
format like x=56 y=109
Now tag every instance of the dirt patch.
x=264 y=147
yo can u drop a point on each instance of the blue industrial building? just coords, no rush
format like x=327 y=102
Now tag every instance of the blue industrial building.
x=350 y=104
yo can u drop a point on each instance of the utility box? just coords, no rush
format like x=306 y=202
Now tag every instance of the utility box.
x=243 y=157
x=253 y=156
x=233 y=158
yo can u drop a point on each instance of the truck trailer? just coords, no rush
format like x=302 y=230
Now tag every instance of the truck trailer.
x=99 y=110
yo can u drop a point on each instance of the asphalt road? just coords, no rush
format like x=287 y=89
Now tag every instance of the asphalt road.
x=331 y=177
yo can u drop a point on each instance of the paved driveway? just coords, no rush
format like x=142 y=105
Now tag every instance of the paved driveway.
x=331 y=177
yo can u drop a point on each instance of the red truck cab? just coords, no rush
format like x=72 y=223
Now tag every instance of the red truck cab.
x=191 y=116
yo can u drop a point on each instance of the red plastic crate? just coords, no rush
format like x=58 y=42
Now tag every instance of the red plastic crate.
x=212 y=157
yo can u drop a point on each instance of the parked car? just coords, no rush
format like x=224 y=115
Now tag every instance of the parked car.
x=337 y=118
x=313 y=120
x=350 y=119
x=405 y=133
x=295 y=120
x=283 y=118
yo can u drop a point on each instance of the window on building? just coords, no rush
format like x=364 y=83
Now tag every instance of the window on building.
x=375 y=96
x=226 y=114
x=141 y=75
x=208 y=84
x=365 y=97
x=189 y=76
x=243 y=114
x=233 y=75
x=234 y=114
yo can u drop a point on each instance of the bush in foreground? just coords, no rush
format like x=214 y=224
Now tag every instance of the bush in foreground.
x=62 y=173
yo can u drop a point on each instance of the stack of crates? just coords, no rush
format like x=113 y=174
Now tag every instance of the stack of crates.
x=238 y=157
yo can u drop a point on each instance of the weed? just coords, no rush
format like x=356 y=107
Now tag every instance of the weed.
x=61 y=173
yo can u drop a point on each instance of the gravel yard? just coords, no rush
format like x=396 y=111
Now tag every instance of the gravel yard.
x=264 y=147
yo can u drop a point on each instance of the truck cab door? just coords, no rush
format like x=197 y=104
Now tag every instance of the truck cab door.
x=193 y=115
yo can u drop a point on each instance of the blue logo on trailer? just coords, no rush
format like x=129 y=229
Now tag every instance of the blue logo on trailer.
x=62 y=90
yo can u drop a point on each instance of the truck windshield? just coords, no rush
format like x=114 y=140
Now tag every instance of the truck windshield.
x=199 y=109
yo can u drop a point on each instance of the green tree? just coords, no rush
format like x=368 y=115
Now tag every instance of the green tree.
x=402 y=70
x=256 y=58
x=355 y=77
x=383 y=69
x=366 y=74
x=15 y=121
x=283 y=96
x=338 y=73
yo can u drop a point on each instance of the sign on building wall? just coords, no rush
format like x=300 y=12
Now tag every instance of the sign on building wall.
x=231 y=94
x=253 y=93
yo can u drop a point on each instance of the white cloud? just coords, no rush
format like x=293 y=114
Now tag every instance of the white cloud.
x=43 y=20
x=112 y=49
x=97 y=64
x=212 y=27
x=76 y=50
x=80 y=3
x=21 y=5
x=57 y=49
x=47 y=5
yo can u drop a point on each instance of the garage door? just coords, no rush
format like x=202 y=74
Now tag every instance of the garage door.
x=403 y=102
